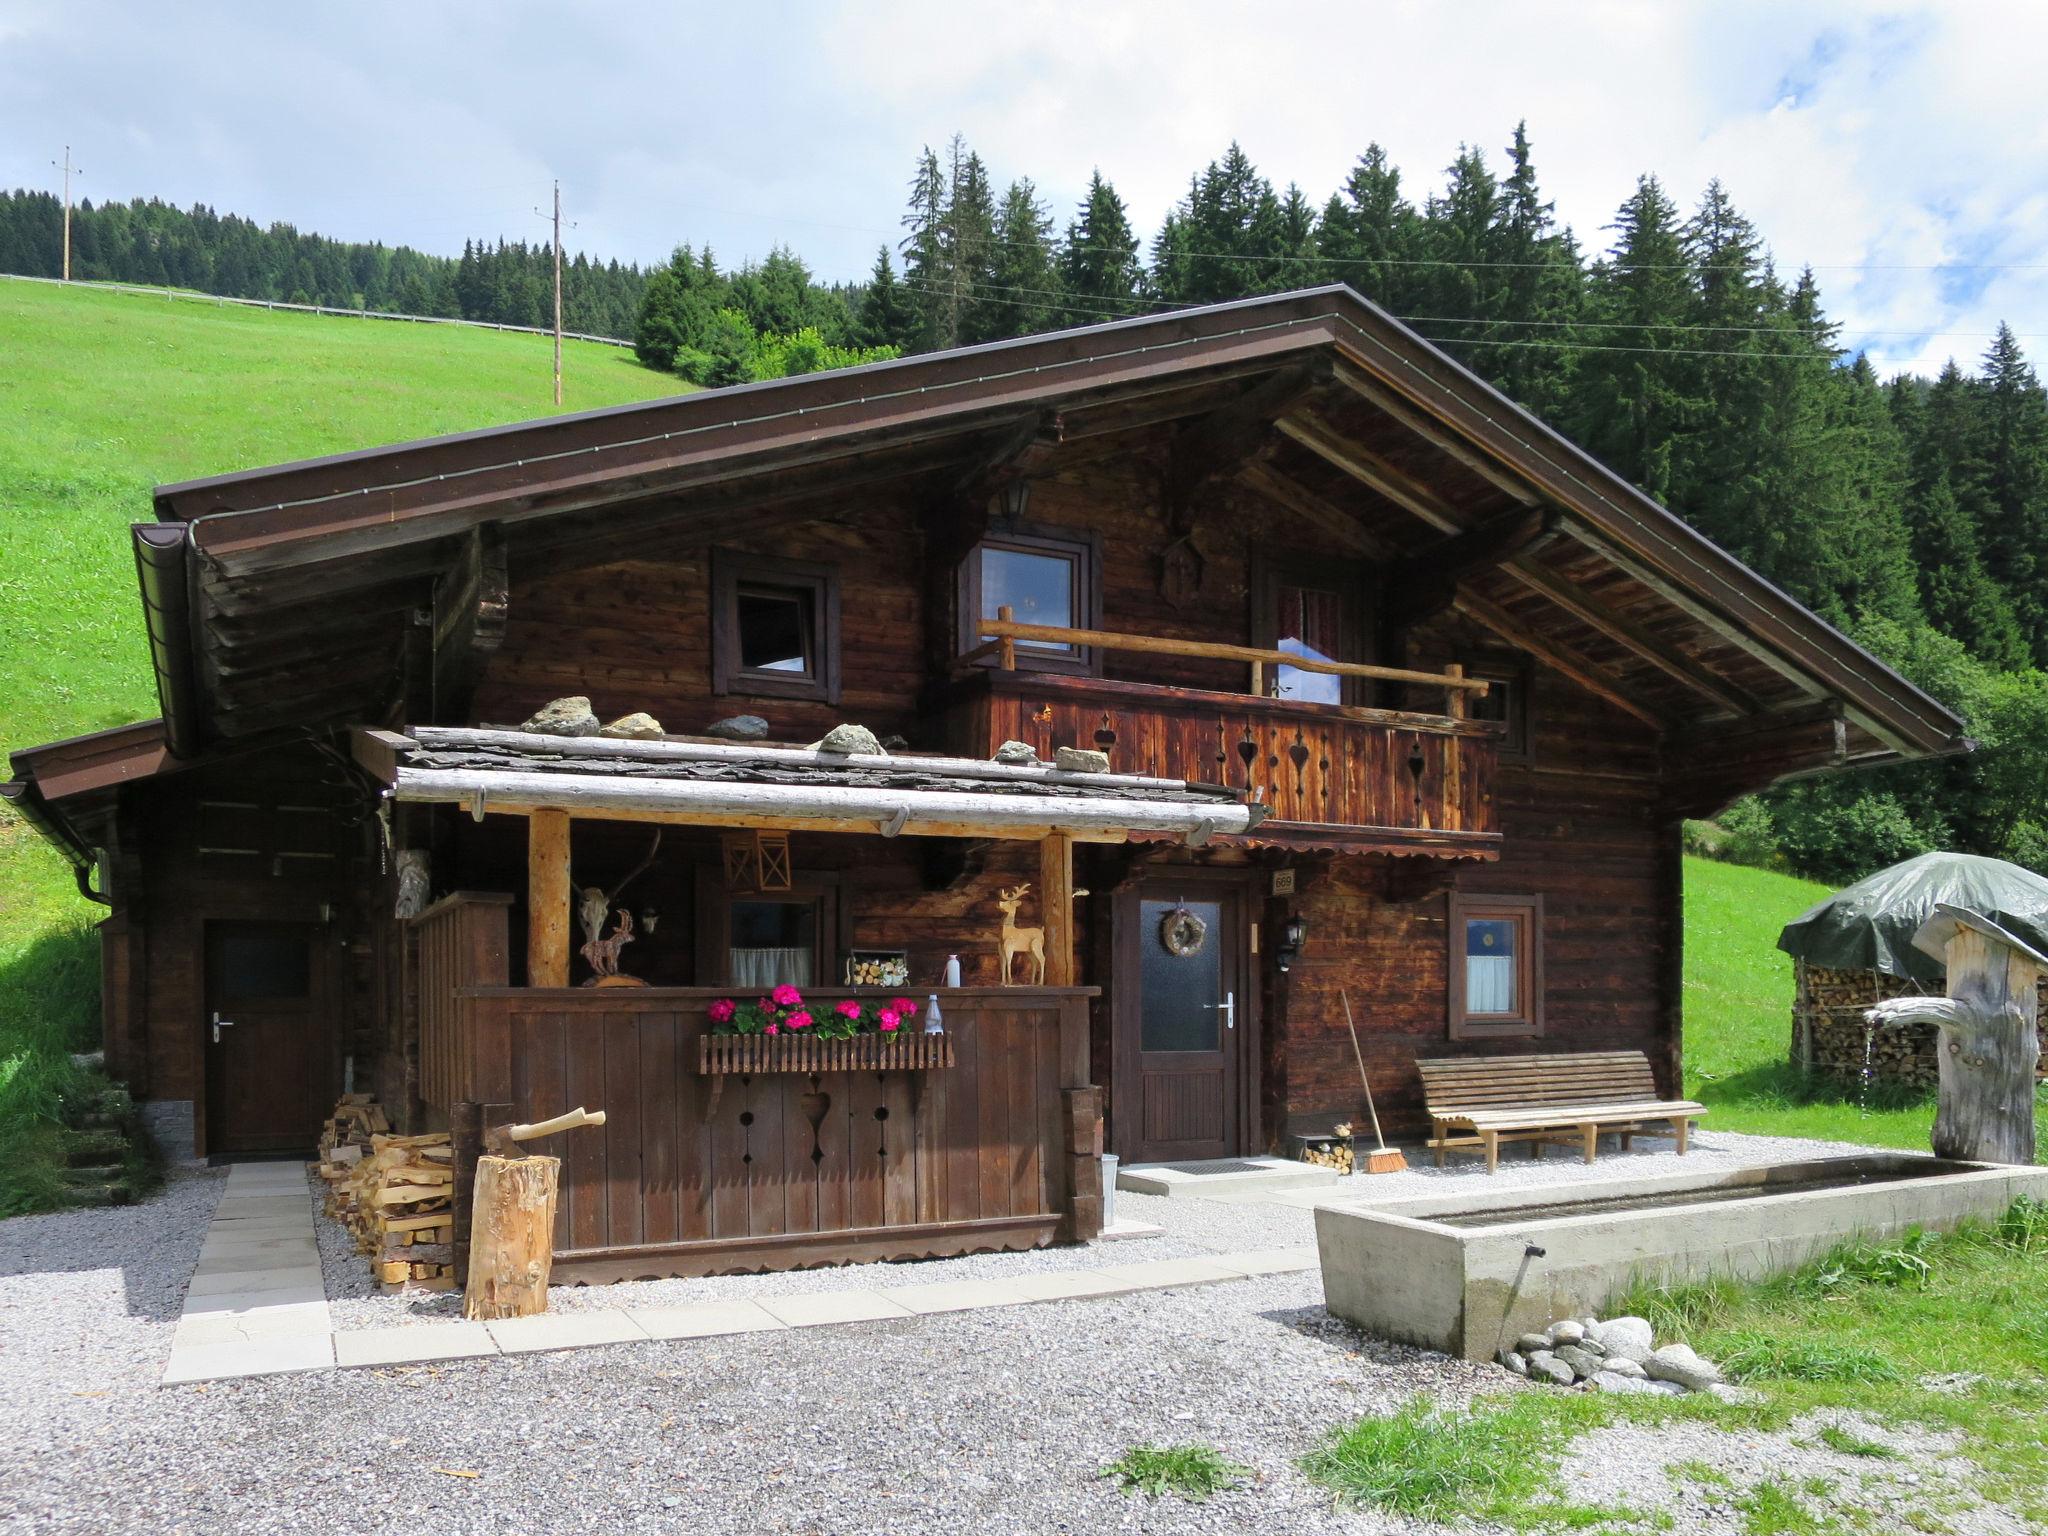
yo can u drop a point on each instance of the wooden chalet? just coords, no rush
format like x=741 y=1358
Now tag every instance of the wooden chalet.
x=1403 y=696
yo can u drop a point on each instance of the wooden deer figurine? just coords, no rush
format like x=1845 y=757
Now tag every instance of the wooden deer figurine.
x=1021 y=941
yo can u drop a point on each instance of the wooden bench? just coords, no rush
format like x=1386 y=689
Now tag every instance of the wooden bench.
x=1542 y=1099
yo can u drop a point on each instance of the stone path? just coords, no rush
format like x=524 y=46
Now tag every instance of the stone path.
x=256 y=1306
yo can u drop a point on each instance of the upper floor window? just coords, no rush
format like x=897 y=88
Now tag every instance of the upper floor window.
x=1506 y=700
x=1042 y=578
x=774 y=627
x=1312 y=609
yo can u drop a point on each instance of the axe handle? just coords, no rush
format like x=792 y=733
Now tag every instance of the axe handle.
x=563 y=1122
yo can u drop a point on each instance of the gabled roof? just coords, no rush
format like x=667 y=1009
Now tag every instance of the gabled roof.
x=279 y=597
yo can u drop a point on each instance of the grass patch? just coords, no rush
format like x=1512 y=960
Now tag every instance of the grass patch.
x=1494 y=1462
x=1847 y=1443
x=1192 y=1472
x=105 y=396
x=1854 y=1332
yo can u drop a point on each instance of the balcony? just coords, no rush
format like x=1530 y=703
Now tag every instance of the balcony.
x=1336 y=777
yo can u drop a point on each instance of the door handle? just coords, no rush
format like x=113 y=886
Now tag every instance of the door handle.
x=220 y=1024
x=1228 y=1008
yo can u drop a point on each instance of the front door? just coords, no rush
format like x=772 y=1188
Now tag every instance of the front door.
x=269 y=1038
x=1183 y=1022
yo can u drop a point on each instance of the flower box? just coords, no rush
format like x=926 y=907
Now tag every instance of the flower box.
x=905 y=1051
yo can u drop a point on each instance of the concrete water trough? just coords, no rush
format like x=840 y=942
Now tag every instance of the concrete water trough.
x=1470 y=1270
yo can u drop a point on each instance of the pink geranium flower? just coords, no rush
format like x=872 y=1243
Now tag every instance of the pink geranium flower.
x=772 y=1029
x=721 y=1012
x=890 y=1019
x=786 y=996
x=847 y=1008
x=801 y=1019
x=903 y=1007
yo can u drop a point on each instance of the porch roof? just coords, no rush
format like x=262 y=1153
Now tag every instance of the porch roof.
x=708 y=783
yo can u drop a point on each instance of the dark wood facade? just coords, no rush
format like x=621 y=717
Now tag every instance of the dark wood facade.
x=1223 y=475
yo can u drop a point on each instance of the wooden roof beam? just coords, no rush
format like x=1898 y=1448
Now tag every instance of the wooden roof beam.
x=1373 y=471
x=1351 y=536
x=1424 y=584
x=472 y=600
x=1438 y=436
x=1555 y=653
x=1212 y=447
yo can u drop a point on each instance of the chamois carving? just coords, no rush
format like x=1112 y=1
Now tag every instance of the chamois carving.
x=1020 y=940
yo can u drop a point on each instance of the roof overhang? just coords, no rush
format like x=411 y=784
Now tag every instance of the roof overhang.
x=241 y=549
x=715 y=784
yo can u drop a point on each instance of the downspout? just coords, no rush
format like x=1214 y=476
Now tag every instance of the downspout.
x=163 y=569
x=28 y=801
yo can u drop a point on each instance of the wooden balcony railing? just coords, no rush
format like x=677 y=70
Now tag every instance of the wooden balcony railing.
x=1360 y=779
x=1001 y=635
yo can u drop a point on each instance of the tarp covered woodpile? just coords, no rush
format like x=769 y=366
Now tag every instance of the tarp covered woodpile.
x=1870 y=925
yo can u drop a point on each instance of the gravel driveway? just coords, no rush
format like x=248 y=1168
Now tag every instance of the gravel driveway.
x=988 y=1421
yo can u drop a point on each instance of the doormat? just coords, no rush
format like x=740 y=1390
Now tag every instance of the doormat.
x=1217 y=1165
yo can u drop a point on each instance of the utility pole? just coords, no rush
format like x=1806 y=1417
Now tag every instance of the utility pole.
x=71 y=170
x=558 y=288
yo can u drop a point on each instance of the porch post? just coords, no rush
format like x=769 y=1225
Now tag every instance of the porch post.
x=1056 y=890
x=547 y=899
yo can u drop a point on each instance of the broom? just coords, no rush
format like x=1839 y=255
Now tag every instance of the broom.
x=1382 y=1158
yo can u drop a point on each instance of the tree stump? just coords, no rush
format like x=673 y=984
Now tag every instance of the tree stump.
x=1989 y=1044
x=512 y=1237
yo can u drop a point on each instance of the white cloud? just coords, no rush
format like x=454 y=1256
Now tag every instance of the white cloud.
x=1901 y=152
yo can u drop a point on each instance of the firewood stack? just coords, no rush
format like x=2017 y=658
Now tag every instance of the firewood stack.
x=1830 y=1003
x=395 y=1195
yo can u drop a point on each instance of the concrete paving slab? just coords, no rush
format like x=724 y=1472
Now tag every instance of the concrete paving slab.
x=243 y=1282
x=218 y=1246
x=1124 y=1231
x=228 y=1303
x=1267 y=1261
x=564 y=1330
x=1161 y=1273
x=298 y=1320
x=1224 y=1176
x=955 y=1296
x=252 y=1263
x=240 y=1208
x=413 y=1346
x=1072 y=1285
x=250 y=1357
x=705 y=1319
x=824 y=1307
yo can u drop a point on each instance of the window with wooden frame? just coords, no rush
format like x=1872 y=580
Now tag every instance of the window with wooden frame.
x=754 y=939
x=774 y=627
x=1042 y=577
x=1496 y=965
x=1312 y=606
x=1506 y=699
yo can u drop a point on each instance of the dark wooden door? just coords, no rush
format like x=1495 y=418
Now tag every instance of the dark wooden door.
x=1183 y=1021
x=269 y=1038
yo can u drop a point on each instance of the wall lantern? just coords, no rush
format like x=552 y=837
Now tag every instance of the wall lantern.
x=1015 y=498
x=1293 y=934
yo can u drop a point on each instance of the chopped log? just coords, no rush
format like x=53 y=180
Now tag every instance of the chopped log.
x=512 y=1238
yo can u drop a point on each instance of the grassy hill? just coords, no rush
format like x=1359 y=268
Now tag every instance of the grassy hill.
x=104 y=396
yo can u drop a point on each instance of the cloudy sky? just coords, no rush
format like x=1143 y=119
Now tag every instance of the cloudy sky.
x=1901 y=150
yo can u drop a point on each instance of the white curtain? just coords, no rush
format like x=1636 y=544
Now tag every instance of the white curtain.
x=1489 y=983
x=764 y=968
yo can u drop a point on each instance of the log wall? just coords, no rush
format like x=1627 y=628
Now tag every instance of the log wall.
x=694 y=1174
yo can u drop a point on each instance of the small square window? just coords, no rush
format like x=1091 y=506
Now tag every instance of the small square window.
x=1496 y=982
x=1042 y=578
x=1506 y=700
x=774 y=627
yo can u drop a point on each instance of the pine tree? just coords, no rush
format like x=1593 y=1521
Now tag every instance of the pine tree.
x=1539 y=290
x=1370 y=238
x=1223 y=239
x=887 y=317
x=1631 y=402
x=2015 y=448
x=1022 y=292
x=924 y=252
x=1098 y=263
